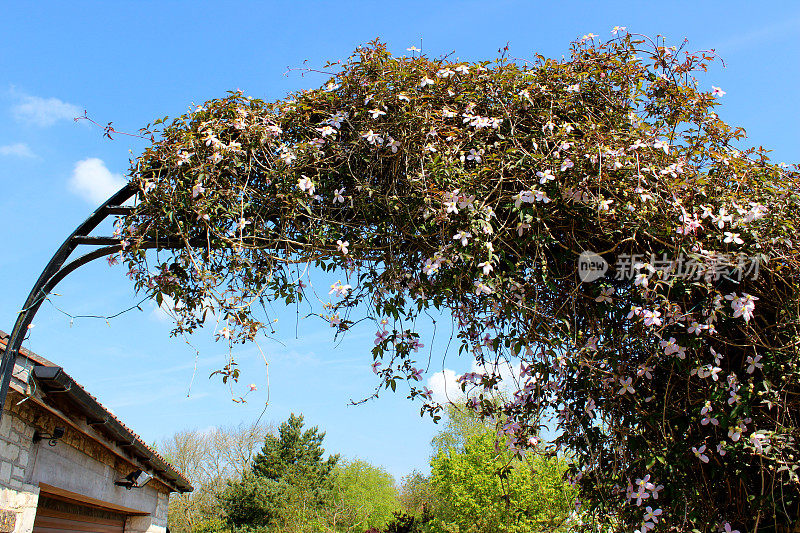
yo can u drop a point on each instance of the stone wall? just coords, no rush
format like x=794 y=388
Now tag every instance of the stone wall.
x=77 y=463
x=18 y=499
x=16 y=440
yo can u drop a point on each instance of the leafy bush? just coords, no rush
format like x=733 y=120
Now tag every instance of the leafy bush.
x=478 y=488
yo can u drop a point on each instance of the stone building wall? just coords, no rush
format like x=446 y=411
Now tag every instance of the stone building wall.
x=18 y=499
x=78 y=463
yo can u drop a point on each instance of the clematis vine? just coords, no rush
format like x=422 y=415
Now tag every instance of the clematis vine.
x=472 y=190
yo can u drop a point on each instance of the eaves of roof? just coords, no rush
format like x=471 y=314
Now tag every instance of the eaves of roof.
x=53 y=379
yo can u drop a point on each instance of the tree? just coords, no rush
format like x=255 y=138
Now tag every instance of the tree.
x=208 y=458
x=295 y=454
x=363 y=496
x=415 y=493
x=500 y=192
x=480 y=488
x=289 y=480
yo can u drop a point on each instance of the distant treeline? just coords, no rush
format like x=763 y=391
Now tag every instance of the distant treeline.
x=291 y=486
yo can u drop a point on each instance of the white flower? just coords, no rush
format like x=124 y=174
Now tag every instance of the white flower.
x=393 y=144
x=540 y=196
x=754 y=363
x=426 y=81
x=700 y=453
x=240 y=225
x=210 y=138
x=617 y=29
x=474 y=156
x=326 y=130
x=403 y=97
x=662 y=145
x=567 y=163
x=726 y=528
x=198 y=189
x=636 y=145
x=342 y=246
x=430 y=148
x=670 y=346
x=372 y=138
x=287 y=156
x=486 y=266
x=722 y=218
x=448 y=113
x=545 y=176
x=462 y=236
x=716 y=91
x=331 y=87
x=482 y=288
x=462 y=69
x=605 y=205
x=756 y=212
x=626 y=386
x=651 y=318
x=574 y=88
x=225 y=332
x=431 y=266
x=339 y=289
x=306 y=185
x=337 y=196
x=376 y=113
x=335 y=320
x=183 y=157
x=743 y=306
x=413 y=49
x=336 y=119
x=215 y=158
x=732 y=238
x=758 y=440
x=444 y=73
x=708 y=418
x=605 y=295
x=696 y=328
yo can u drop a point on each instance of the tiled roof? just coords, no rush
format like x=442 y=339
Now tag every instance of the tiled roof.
x=169 y=471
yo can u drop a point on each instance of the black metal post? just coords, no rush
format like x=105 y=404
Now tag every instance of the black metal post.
x=55 y=271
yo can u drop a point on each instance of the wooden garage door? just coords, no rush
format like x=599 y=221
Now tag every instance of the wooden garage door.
x=57 y=516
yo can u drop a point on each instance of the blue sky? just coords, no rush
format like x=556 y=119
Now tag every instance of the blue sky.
x=132 y=62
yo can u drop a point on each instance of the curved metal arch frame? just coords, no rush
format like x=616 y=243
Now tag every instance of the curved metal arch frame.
x=56 y=270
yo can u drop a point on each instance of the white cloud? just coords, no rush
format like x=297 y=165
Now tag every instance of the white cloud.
x=93 y=181
x=445 y=386
x=17 y=149
x=43 y=111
